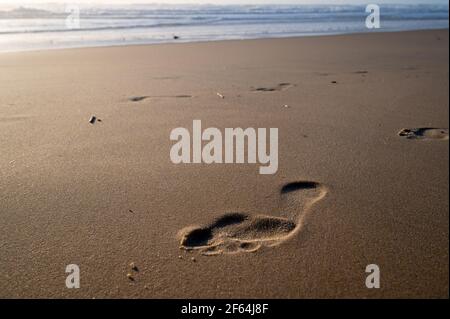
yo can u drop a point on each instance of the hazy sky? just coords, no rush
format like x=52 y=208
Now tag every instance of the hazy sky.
x=24 y=2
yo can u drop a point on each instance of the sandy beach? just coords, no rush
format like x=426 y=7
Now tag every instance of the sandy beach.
x=362 y=172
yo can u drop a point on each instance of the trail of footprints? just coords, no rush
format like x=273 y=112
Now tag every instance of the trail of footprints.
x=278 y=87
x=239 y=232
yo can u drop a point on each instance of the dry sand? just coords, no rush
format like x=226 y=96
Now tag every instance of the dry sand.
x=104 y=195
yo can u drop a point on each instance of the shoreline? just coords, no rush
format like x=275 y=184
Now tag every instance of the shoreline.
x=180 y=41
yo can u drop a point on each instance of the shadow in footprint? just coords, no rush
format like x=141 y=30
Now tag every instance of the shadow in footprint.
x=238 y=232
x=144 y=97
x=138 y=98
x=201 y=236
x=295 y=186
x=279 y=87
x=424 y=133
x=361 y=72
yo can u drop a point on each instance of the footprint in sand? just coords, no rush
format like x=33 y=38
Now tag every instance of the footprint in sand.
x=238 y=232
x=279 y=87
x=144 y=97
x=361 y=72
x=423 y=133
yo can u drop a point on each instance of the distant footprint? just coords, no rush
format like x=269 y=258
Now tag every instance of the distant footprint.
x=424 y=133
x=138 y=98
x=238 y=232
x=141 y=98
x=279 y=87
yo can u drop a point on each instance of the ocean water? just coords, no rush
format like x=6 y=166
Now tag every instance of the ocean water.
x=51 y=27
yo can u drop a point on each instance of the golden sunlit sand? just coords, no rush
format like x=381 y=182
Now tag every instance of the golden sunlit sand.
x=351 y=189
